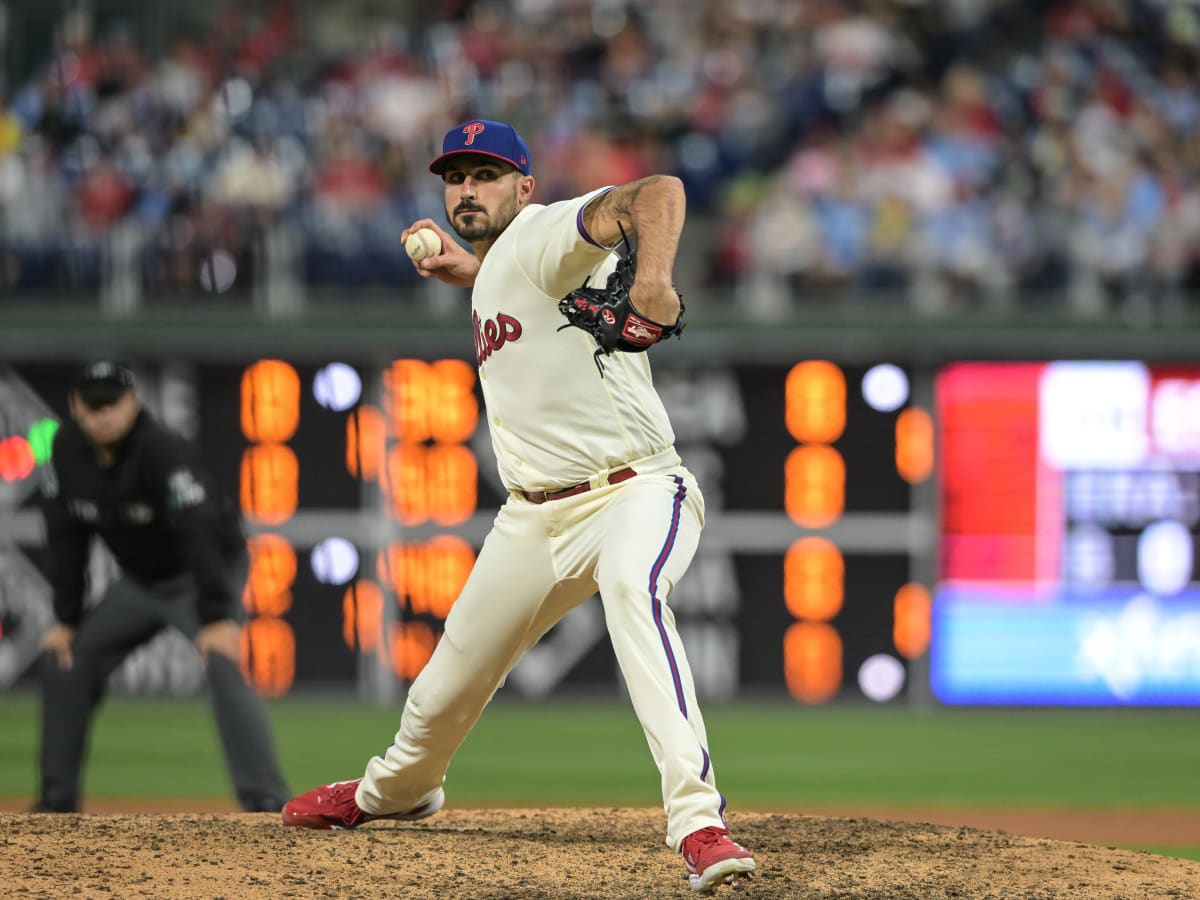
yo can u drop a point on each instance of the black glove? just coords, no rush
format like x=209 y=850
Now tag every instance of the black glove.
x=609 y=317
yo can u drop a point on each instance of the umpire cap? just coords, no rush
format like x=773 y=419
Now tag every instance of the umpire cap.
x=103 y=381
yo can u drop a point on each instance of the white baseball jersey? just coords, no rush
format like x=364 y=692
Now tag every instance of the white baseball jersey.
x=554 y=420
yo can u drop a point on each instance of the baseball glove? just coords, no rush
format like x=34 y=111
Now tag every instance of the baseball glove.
x=609 y=317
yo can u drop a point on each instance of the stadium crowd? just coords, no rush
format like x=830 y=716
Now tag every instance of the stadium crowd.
x=941 y=153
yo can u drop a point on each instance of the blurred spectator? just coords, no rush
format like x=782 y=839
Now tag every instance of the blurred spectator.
x=11 y=132
x=941 y=154
x=104 y=196
x=252 y=175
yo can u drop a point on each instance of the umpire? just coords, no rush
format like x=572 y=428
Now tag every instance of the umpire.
x=121 y=476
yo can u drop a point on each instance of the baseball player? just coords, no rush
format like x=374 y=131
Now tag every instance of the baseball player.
x=121 y=476
x=598 y=498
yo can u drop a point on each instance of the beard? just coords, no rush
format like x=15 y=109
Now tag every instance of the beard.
x=483 y=225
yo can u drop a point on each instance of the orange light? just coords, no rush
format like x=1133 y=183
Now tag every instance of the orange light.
x=911 y=624
x=268 y=651
x=424 y=482
x=453 y=409
x=427 y=578
x=393 y=565
x=270 y=401
x=914 y=445
x=366 y=438
x=431 y=401
x=411 y=644
x=406 y=396
x=814 y=575
x=362 y=616
x=451 y=474
x=814 y=485
x=449 y=560
x=405 y=484
x=812 y=661
x=270 y=483
x=815 y=398
x=272 y=573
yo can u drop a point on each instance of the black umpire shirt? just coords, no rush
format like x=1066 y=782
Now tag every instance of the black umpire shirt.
x=156 y=507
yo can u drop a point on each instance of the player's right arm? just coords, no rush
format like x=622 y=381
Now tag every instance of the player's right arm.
x=454 y=265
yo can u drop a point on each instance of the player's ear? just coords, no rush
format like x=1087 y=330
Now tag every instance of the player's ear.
x=524 y=190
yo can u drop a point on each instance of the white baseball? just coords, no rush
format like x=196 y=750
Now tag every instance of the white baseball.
x=422 y=243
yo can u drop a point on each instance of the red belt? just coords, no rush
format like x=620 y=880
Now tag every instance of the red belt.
x=583 y=487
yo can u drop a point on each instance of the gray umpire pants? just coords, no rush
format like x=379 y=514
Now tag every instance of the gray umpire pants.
x=129 y=614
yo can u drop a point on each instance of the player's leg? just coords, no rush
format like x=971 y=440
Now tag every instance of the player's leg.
x=240 y=713
x=124 y=618
x=650 y=532
x=514 y=594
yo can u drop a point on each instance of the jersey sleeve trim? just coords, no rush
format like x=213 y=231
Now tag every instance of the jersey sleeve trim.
x=583 y=232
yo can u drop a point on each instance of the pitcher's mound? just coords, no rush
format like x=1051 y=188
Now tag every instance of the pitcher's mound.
x=554 y=854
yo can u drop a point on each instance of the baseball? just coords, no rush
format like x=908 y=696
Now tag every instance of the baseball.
x=422 y=243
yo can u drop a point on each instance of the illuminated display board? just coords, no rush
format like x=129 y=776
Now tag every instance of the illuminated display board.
x=1069 y=522
x=367 y=490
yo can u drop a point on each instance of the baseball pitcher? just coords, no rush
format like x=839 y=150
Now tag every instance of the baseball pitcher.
x=566 y=298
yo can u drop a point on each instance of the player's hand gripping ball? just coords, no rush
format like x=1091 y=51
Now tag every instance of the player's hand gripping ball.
x=422 y=243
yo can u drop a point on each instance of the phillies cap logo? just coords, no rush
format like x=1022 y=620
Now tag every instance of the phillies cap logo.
x=471 y=129
x=484 y=138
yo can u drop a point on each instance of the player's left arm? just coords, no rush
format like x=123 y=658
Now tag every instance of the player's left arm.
x=653 y=209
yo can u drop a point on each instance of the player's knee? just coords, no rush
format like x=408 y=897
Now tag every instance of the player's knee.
x=631 y=595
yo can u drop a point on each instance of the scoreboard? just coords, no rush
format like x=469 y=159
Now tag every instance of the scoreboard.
x=1070 y=531
x=367 y=488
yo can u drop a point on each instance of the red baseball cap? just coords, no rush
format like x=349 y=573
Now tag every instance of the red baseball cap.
x=486 y=138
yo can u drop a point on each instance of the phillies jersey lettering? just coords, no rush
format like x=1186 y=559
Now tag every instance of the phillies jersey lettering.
x=553 y=420
x=493 y=334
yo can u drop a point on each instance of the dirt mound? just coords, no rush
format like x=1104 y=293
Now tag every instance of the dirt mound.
x=554 y=854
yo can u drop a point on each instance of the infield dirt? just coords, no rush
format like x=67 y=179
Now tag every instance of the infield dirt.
x=554 y=854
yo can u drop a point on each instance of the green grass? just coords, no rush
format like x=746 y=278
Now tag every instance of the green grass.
x=1181 y=852
x=593 y=752
x=767 y=755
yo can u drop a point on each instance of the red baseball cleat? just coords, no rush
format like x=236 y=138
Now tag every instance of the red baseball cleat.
x=333 y=806
x=712 y=858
